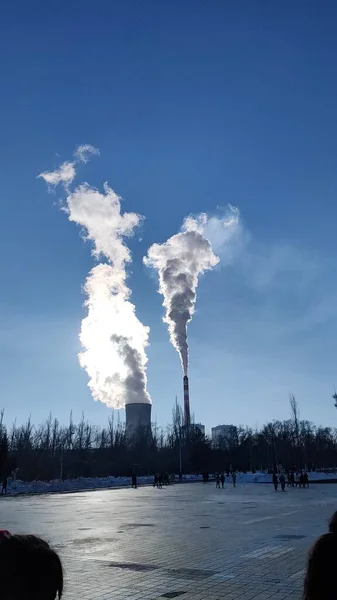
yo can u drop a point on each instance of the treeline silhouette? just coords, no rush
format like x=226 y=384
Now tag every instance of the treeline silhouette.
x=52 y=450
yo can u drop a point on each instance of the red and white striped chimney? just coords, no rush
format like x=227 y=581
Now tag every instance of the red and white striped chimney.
x=187 y=414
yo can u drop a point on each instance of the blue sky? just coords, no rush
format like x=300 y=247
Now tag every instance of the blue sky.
x=192 y=105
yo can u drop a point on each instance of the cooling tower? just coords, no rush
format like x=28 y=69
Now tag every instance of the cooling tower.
x=137 y=418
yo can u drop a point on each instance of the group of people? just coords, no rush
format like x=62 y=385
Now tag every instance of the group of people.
x=301 y=480
x=220 y=479
x=158 y=480
x=161 y=479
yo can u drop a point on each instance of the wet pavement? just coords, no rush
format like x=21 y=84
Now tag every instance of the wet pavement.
x=189 y=540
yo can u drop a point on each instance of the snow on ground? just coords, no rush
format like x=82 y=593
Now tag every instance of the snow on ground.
x=91 y=483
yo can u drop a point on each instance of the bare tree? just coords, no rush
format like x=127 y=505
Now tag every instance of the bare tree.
x=295 y=417
x=334 y=396
x=86 y=450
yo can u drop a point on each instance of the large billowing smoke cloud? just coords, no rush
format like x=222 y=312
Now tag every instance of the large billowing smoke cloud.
x=180 y=261
x=112 y=337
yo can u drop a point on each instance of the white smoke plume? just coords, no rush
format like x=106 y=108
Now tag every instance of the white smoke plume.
x=180 y=261
x=84 y=151
x=112 y=337
x=66 y=172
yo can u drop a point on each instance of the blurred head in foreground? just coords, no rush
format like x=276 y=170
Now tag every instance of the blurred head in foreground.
x=29 y=569
x=320 y=578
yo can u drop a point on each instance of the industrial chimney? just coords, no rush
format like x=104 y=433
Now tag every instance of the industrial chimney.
x=187 y=415
x=138 y=418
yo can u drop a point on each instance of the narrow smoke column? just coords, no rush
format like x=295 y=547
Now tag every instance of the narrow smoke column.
x=187 y=415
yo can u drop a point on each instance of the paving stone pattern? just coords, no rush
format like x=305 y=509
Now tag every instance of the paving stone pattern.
x=188 y=541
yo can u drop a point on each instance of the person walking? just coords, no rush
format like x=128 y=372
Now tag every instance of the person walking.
x=234 y=478
x=292 y=479
x=305 y=480
x=283 y=482
x=134 y=481
x=217 y=479
x=155 y=480
x=275 y=481
x=4 y=486
x=222 y=479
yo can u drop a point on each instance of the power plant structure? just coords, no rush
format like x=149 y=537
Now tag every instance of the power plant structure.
x=137 y=418
x=187 y=413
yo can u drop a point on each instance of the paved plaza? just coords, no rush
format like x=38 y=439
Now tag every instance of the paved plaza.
x=188 y=541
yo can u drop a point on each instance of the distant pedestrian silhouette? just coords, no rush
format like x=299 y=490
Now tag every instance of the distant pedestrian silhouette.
x=283 y=482
x=4 y=486
x=222 y=479
x=217 y=479
x=275 y=481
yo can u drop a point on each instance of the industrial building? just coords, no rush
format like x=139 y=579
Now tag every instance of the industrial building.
x=223 y=432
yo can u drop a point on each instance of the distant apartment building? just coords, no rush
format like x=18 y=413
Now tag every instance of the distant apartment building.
x=223 y=432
